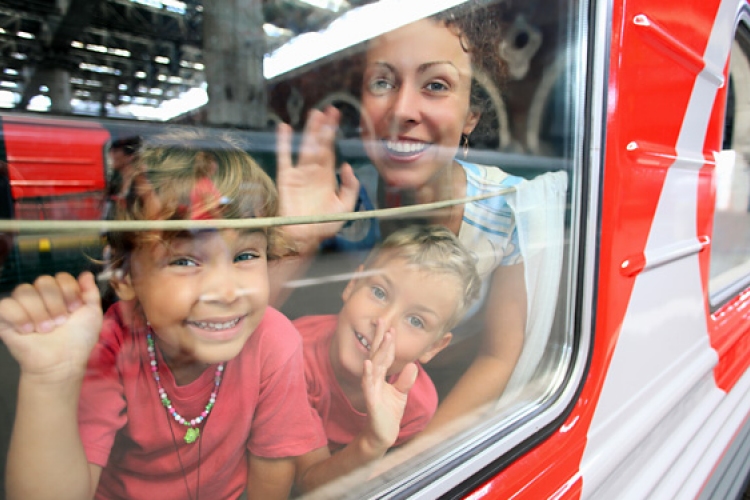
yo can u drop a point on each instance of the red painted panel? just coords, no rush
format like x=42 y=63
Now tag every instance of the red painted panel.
x=650 y=85
x=54 y=157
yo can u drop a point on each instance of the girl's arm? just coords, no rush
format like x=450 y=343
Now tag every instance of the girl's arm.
x=46 y=458
x=269 y=478
x=50 y=328
x=503 y=337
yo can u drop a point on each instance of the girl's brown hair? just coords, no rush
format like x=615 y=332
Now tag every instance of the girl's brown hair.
x=188 y=175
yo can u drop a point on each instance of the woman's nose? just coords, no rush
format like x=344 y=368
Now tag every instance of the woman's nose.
x=406 y=106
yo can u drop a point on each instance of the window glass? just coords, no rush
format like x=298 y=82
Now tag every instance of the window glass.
x=454 y=115
x=730 y=248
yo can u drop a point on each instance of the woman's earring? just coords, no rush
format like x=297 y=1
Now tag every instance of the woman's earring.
x=465 y=142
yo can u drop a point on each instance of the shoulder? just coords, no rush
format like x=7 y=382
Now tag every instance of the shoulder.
x=487 y=176
x=315 y=326
x=274 y=338
x=116 y=332
x=423 y=398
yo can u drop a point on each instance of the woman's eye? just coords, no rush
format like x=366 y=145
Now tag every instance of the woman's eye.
x=436 y=87
x=416 y=322
x=247 y=256
x=378 y=292
x=380 y=85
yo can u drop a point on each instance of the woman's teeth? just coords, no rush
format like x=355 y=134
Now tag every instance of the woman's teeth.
x=405 y=148
x=205 y=325
x=362 y=340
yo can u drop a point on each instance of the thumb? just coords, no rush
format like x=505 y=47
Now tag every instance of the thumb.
x=406 y=378
x=89 y=291
x=349 y=187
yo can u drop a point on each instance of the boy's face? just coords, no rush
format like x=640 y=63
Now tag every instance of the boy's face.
x=203 y=293
x=415 y=304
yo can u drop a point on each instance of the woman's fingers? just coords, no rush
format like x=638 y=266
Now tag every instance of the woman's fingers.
x=318 y=138
x=349 y=187
x=283 y=148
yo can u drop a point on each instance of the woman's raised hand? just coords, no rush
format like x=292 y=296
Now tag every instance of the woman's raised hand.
x=51 y=327
x=310 y=187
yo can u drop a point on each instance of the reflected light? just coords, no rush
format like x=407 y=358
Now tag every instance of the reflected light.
x=352 y=28
x=8 y=99
x=39 y=103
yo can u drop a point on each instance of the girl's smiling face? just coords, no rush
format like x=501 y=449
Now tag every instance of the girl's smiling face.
x=415 y=100
x=203 y=293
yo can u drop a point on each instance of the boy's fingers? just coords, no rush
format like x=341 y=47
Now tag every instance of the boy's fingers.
x=406 y=378
x=378 y=339
x=382 y=359
x=368 y=379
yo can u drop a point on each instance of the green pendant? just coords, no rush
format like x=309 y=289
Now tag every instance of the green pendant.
x=192 y=435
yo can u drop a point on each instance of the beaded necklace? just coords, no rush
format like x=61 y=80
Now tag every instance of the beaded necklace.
x=192 y=433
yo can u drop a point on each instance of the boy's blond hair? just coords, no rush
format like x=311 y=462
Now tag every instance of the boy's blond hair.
x=435 y=249
x=193 y=174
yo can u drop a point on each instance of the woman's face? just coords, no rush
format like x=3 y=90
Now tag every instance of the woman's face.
x=415 y=100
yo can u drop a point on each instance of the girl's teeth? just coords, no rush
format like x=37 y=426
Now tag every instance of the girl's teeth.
x=215 y=326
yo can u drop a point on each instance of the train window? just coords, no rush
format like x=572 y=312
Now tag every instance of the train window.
x=529 y=106
x=389 y=127
x=730 y=248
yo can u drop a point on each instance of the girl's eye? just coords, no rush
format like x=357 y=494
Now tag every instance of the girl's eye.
x=247 y=256
x=183 y=261
x=378 y=292
x=416 y=322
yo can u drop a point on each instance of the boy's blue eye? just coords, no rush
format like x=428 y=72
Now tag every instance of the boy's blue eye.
x=416 y=322
x=378 y=292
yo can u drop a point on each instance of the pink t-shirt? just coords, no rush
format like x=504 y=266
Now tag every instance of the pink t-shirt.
x=261 y=408
x=340 y=420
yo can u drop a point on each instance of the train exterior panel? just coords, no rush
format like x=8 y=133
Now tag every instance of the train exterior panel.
x=664 y=404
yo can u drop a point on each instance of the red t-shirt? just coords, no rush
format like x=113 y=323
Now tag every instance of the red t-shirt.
x=261 y=408
x=340 y=420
